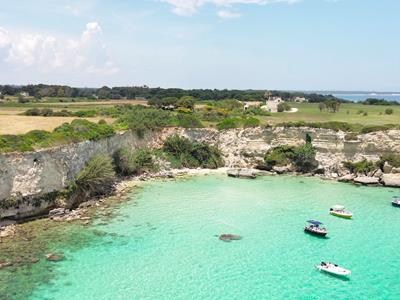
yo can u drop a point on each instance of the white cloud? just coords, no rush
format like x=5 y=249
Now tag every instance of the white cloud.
x=227 y=14
x=190 y=7
x=87 y=53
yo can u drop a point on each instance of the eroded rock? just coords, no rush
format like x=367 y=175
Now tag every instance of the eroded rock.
x=366 y=180
x=392 y=180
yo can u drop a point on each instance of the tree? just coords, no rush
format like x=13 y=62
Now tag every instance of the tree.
x=304 y=158
x=388 y=111
x=186 y=102
x=332 y=105
x=321 y=106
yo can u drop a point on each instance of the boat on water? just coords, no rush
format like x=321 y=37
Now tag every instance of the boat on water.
x=339 y=211
x=333 y=269
x=396 y=201
x=315 y=229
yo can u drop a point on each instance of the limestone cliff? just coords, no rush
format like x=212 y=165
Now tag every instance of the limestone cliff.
x=27 y=177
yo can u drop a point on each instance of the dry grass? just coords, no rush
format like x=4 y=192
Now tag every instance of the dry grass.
x=12 y=124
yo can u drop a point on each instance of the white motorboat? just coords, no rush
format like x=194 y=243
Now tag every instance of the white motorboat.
x=333 y=269
x=339 y=211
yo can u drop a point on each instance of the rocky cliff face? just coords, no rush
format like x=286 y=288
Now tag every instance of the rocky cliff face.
x=246 y=147
x=27 y=180
x=27 y=177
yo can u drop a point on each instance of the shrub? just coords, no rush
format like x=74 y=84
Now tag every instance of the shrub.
x=32 y=112
x=213 y=114
x=304 y=158
x=229 y=123
x=251 y=122
x=85 y=113
x=392 y=158
x=22 y=99
x=130 y=162
x=189 y=121
x=96 y=178
x=278 y=156
x=10 y=143
x=256 y=111
x=141 y=119
x=284 y=106
x=80 y=130
x=229 y=104
x=363 y=166
x=192 y=154
x=388 y=111
x=373 y=128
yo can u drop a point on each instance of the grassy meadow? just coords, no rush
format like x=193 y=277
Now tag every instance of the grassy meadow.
x=13 y=122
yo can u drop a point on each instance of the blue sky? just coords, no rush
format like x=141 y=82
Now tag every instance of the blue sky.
x=259 y=44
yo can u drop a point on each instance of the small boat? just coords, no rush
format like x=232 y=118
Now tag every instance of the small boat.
x=339 y=211
x=396 y=201
x=315 y=228
x=333 y=269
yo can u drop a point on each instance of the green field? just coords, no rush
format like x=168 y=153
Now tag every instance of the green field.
x=13 y=122
x=350 y=113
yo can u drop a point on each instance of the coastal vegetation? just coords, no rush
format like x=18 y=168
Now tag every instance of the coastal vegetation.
x=96 y=178
x=301 y=157
x=134 y=162
x=184 y=153
x=361 y=167
x=76 y=131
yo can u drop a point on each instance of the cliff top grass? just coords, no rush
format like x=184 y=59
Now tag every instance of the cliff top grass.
x=76 y=131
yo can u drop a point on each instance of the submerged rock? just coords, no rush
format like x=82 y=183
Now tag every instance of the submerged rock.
x=227 y=237
x=54 y=257
x=4 y=264
x=7 y=231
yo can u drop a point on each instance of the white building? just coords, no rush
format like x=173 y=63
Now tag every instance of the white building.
x=272 y=103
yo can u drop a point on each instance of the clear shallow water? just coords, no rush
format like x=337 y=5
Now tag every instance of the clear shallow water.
x=163 y=245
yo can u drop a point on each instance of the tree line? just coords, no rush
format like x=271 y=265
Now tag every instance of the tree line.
x=144 y=92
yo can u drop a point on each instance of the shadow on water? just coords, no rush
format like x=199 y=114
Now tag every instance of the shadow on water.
x=342 y=278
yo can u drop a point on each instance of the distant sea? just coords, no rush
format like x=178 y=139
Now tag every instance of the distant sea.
x=362 y=97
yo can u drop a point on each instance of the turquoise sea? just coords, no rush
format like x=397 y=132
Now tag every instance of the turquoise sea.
x=362 y=97
x=163 y=243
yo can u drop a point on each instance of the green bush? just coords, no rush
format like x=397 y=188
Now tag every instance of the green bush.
x=188 y=121
x=363 y=166
x=256 y=111
x=81 y=130
x=284 y=106
x=389 y=111
x=186 y=153
x=373 y=128
x=97 y=178
x=134 y=162
x=251 y=122
x=141 y=119
x=304 y=158
x=278 y=156
x=76 y=131
x=85 y=113
x=229 y=123
x=392 y=158
x=228 y=104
